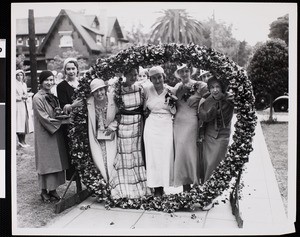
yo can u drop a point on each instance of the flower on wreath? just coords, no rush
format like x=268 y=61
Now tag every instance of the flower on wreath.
x=170 y=99
x=190 y=91
x=118 y=94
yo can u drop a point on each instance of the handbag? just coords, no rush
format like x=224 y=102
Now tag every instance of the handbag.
x=102 y=136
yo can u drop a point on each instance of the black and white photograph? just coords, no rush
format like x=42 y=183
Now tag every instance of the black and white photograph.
x=153 y=118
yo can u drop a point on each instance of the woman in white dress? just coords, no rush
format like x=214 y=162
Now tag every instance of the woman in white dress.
x=22 y=113
x=158 y=133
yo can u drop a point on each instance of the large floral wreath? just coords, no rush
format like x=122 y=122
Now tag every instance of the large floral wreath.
x=147 y=55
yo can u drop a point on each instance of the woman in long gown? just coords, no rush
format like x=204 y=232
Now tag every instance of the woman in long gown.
x=158 y=133
x=189 y=93
x=128 y=177
x=50 y=151
x=101 y=116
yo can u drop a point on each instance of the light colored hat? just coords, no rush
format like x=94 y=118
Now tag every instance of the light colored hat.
x=67 y=60
x=141 y=70
x=155 y=69
x=96 y=84
x=202 y=72
x=20 y=71
x=181 y=67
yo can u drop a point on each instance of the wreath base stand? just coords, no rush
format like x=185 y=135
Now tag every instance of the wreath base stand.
x=77 y=198
x=234 y=201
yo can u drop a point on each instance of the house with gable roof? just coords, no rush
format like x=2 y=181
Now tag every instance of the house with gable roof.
x=70 y=30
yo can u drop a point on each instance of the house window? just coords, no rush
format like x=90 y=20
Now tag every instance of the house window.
x=66 y=39
x=112 y=40
x=98 y=39
x=19 y=41
x=36 y=42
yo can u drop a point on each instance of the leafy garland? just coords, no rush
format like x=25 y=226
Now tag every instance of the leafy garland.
x=147 y=55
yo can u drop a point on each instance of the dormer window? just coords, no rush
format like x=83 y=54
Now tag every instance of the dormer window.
x=94 y=25
x=66 y=39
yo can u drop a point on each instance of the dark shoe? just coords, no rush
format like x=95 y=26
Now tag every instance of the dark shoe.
x=158 y=192
x=53 y=194
x=186 y=188
x=45 y=197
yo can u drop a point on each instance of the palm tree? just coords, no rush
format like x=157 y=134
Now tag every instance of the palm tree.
x=176 y=26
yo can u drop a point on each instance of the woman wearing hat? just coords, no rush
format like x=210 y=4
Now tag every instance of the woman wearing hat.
x=158 y=133
x=101 y=118
x=65 y=91
x=50 y=151
x=22 y=113
x=128 y=178
x=216 y=112
x=189 y=93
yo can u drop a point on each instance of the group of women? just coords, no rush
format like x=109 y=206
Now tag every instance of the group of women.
x=144 y=135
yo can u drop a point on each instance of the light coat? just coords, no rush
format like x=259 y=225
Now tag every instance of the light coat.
x=24 y=123
x=111 y=146
x=50 y=150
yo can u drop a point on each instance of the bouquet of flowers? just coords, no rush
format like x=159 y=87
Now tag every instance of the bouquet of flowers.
x=190 y=91
x=170 y=99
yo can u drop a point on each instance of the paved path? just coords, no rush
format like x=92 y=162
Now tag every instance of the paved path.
x=261 y=209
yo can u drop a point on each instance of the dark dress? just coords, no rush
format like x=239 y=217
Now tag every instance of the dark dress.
x=64 y=94
x=216 y=117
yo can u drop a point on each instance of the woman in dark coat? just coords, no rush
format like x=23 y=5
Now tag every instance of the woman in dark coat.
x=215 y=111
x=50 y=151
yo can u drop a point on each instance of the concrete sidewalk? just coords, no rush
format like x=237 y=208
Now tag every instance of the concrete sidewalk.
x=261 y=209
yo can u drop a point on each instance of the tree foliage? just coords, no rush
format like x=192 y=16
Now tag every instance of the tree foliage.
x=58 y=61
x=176 y=26
x=136 y=35
x=268 y=69
x=221 y=38
x=243 y=54
x=279 y=29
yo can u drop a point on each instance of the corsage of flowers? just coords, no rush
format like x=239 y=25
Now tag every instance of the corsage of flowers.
x=148 y=55
x=190 y=91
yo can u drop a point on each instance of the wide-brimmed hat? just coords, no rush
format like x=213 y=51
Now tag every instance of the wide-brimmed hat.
x=156 y=69
x=179 y=67
x=96 y=84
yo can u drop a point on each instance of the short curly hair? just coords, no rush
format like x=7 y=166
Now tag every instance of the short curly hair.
x=223 y=84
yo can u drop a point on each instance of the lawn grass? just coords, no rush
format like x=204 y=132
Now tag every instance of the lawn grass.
x=276 y=136
x=31 y=211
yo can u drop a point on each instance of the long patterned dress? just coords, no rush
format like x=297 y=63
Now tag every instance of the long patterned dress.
x=128 y=177
x=187 y=163
x=158 y=137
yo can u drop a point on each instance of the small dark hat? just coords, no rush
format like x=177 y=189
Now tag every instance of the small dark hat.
x=44 y=75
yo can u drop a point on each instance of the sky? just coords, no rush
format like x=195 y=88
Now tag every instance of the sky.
x=250 y=21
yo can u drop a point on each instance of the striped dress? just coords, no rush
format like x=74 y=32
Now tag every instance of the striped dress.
x=128 y=177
